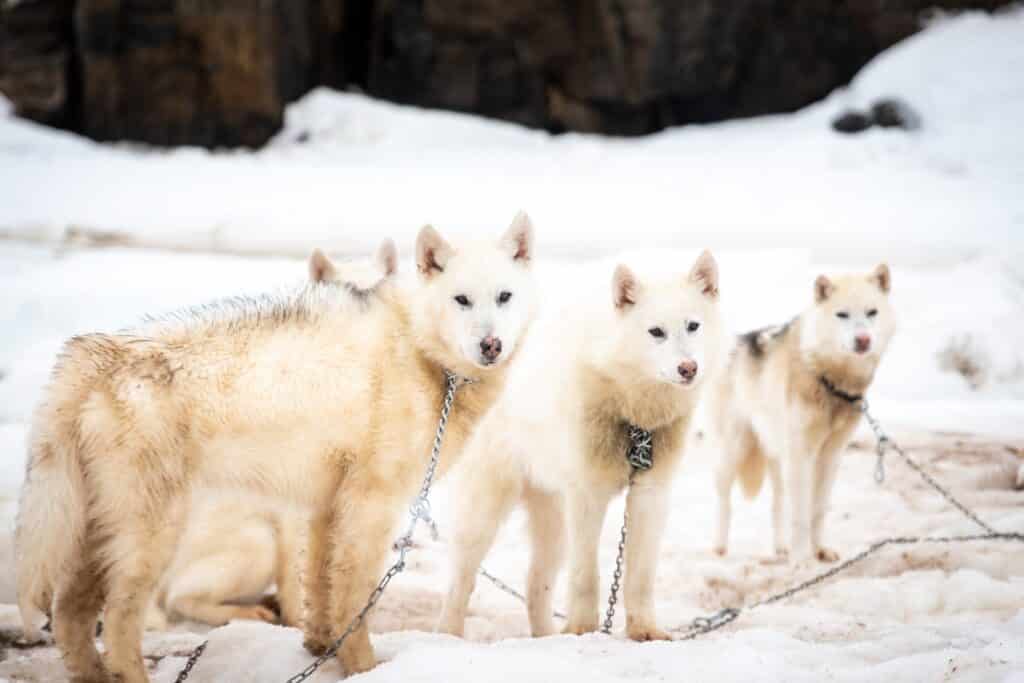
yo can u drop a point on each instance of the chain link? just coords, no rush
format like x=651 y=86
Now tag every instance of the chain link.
x=419 y=510
x=884 y=442
x=192 y=659
x=640 y=456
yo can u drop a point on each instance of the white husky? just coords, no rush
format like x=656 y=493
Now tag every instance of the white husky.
x=787 y=403
x=557 y=441
x=322 y=399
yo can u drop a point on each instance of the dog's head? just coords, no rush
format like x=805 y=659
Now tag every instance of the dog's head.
x=667 y=331
x=851 y=316
x=359 y=275
x=476 y=300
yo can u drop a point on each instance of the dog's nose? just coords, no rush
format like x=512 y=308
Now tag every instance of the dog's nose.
x=490 y=347
x=688 y=370
x=862 y=343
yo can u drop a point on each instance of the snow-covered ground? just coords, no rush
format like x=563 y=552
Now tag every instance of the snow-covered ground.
x=779 y=199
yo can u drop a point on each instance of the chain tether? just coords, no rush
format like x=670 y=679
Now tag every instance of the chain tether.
x=884 y=442
x=640 y=457
x=419 y=510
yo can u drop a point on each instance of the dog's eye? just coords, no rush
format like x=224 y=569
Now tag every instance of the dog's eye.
x=656 y=332
x=504 y=297
x=842 y=314
x=463 y=301
x=692 y=326
x=872 y=313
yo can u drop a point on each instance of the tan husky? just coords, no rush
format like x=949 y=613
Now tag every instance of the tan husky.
x=236 y=546
x=319 y=398
x=787 y=403
x=557 y=441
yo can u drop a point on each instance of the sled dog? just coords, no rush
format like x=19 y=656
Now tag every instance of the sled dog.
x=235 y=547
x=787 y=404
x=319 y=398
x=557 y=441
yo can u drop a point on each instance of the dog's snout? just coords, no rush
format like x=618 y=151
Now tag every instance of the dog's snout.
x=862 y=343
x=490 y=348
x=688 y=370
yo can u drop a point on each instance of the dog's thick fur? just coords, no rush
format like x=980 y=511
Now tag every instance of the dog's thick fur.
x=557 y=441
x=320 y=399
x=236 y=546
x=772 y=412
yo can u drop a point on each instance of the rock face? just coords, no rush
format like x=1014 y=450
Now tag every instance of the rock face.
x=219 y=72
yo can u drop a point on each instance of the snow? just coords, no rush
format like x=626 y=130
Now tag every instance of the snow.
x=779 y=199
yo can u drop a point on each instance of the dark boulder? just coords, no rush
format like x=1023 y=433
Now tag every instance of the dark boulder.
x=851 y=122
x=894 y=113
x=219 y=72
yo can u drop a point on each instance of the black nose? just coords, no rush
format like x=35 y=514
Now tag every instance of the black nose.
x=490 y=347
x=688 y=369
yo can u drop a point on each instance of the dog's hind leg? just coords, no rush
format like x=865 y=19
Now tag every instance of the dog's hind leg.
x=725 y=475
x=142 y=534
x=778 y=500
x=205 y=589
x=547 y=532
x=77 y=605
x=483 y=501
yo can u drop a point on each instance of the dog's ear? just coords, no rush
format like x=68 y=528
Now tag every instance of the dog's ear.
x=823 y=288
x=882 y=277
x=387 y=258
x=625 y=287
x=705 y=274
x=518 y=239
x=432 y=252
x=321 y=268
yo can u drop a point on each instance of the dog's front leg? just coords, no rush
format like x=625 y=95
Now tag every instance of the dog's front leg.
x=361 y=539
x=647 y=506
x=799 y=469
x=586 y=508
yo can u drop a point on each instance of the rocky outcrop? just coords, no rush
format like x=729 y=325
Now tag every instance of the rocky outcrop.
x=219 y=72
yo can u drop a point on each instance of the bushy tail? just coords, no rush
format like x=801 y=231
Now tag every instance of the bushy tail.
x=52 y=506
x=751 y=472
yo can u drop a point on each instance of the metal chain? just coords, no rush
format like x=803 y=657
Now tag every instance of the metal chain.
x=702 y=625
x=419 y=510
x=884 y=442
x=192 y=659
x=640 y=457
x=510 y=590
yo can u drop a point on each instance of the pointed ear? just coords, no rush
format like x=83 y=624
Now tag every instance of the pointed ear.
x=823 y=289
x=882 y=277
x=432 y=252
x=705 y=274
x=321 y=268
x=518 y=239
x=625 y=287
x=387 y=258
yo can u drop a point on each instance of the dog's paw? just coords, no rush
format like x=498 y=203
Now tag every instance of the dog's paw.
x=357 y=660
x=579 y=628
x=644 y=633
x=827 y=555
x=315 y=645
x=256 y=613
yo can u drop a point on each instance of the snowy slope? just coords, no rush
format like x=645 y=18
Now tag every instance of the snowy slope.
x=369 y=168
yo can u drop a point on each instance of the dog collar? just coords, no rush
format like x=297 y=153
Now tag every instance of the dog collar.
x=839 y=393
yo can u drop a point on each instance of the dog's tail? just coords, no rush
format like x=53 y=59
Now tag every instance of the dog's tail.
x=751 y=472
x=51 y=520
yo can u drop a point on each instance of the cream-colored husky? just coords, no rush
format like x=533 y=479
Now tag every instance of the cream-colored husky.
x=321 y=399
x=787 y=403
x=236 y=546
x=558 y=438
